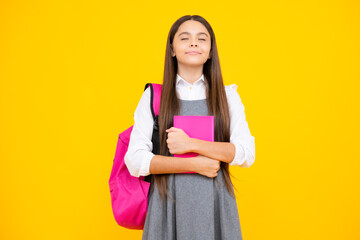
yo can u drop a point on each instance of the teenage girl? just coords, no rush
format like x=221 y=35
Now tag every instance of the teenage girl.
x=199 y=205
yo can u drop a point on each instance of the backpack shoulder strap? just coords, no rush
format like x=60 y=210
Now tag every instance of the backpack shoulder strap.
x=155 y=95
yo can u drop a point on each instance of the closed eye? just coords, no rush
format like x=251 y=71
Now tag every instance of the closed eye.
x=199 y=39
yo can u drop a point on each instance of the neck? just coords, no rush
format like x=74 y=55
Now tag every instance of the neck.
x=189 y=73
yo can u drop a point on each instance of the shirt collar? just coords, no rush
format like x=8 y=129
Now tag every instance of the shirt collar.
x=180 y=79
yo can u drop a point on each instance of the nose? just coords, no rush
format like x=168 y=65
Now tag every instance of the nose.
x=193 y=44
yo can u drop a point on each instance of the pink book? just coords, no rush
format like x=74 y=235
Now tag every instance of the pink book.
x=200 y=127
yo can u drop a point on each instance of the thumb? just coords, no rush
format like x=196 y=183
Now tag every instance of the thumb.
x=172 y=129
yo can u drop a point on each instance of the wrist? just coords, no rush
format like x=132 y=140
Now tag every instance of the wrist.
x=193 y=145
x=192 y=164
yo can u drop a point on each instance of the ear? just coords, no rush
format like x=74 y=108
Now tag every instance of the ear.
x=172 y=51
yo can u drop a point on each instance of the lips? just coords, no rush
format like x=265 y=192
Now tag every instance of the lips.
x=192 y=52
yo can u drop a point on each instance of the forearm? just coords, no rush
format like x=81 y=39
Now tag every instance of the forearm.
x=222 y=151
x=163 y=164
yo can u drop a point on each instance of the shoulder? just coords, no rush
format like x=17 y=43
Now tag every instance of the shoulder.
x=146 y=92
x=231 y=91
x=144 y=102
x=145 y=97
x=233 y=97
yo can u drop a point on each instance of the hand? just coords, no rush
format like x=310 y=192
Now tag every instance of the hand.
x=178 y=141
x=206 y=166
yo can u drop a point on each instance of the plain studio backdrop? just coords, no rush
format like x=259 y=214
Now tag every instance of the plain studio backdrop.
x=72 y=73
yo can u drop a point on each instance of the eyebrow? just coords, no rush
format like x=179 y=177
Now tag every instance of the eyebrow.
x=189 y=33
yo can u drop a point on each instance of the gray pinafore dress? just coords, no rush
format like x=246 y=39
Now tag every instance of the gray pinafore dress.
x=203 y=207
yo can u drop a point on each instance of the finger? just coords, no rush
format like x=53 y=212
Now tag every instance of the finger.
x=173 y=129
x=169 y=130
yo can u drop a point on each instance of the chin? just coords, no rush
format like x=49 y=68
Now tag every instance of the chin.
x=194 y=62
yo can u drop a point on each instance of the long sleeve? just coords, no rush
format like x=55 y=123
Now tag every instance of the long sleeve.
x=240 y=134
x=139 y=155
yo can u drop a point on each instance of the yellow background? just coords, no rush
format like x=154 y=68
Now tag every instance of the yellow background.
x=72 y=73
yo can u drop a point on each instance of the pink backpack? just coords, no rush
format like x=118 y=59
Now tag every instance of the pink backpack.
x=129 y=194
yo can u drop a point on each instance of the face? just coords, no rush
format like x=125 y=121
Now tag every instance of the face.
x=191 y=44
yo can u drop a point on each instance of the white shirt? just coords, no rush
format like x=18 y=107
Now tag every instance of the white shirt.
x=139 y=155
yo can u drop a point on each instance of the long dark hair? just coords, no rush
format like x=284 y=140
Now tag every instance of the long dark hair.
x=216 y=100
